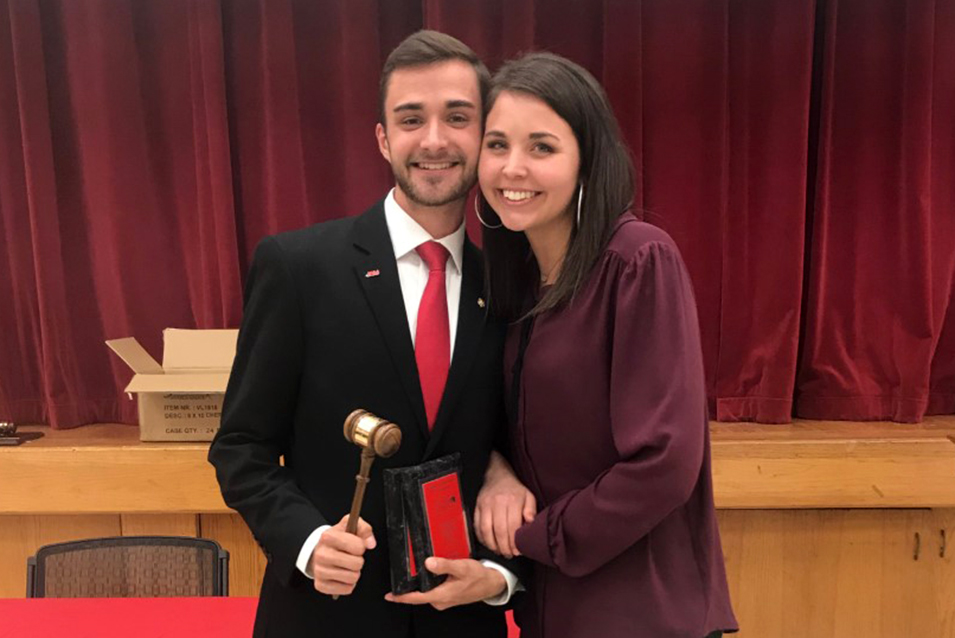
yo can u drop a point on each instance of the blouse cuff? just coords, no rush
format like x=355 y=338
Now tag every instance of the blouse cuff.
x=532 y=540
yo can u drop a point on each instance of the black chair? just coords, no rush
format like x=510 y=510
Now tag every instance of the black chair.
x=129 y=567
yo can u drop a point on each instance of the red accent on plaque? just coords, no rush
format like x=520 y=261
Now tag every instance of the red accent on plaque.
x=446 y=519
x=411 y=564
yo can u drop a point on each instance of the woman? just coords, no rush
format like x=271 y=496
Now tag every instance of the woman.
x=607 y=405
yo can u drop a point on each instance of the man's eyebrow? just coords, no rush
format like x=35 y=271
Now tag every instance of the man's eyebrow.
x=450 y=104
x=409 y=106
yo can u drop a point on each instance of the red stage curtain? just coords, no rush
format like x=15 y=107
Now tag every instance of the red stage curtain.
x=117 y=211
x=801 y=155
x=880 y=320
x=714 y=99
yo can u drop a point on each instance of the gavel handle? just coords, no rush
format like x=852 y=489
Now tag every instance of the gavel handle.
x=361 y=480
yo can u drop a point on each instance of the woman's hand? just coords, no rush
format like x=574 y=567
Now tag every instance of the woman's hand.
x=503 y=505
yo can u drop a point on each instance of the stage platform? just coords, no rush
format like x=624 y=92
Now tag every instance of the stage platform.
x=829 y=528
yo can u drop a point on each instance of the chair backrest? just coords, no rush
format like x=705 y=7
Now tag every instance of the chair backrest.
x=129 y=567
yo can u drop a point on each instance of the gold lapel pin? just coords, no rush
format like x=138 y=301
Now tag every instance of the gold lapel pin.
x=480 y=302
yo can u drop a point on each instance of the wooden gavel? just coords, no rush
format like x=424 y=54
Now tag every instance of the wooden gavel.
x=376 y=437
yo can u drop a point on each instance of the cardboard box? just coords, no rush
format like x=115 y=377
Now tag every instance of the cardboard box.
x=180 y=400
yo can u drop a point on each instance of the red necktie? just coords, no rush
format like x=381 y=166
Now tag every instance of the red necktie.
x=432 y=335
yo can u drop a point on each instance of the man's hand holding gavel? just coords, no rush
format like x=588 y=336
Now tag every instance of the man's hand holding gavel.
x=339 y=557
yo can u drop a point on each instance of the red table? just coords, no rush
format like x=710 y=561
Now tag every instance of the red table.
x=133 y=617
x=127 y=617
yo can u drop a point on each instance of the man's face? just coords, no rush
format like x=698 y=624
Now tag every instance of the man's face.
x=433 y=132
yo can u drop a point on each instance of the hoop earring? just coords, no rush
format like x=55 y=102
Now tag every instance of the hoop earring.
x=480 y=219
x=580 y=200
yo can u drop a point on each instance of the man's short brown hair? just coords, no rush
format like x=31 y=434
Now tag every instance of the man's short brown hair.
x=430 y=47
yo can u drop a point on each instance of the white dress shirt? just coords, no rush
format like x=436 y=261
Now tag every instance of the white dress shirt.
x=406 y=235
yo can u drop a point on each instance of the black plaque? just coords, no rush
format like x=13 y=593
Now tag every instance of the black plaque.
x=426 y=516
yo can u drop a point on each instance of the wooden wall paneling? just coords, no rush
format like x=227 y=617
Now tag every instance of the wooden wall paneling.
x=861 y=603
x=907 y=587
x=943 y=568
x=831 y=473
x=142 y=479
x=246 y=560
x=21 y=536
x=160 y=524
x=806 y=464
x=770 y=556
x=833 y=573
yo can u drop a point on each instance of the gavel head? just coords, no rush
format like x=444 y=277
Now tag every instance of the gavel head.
x=372 y=433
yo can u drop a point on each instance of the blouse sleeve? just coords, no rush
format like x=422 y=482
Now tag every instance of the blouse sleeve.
x=657 y=419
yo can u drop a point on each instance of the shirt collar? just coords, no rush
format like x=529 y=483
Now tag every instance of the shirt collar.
x=406 y=234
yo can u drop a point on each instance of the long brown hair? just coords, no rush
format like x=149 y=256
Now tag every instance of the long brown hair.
x=606 y=173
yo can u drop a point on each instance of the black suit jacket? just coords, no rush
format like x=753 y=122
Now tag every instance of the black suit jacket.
x=320 y=338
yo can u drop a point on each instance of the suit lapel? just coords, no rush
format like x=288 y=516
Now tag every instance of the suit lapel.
x=471 y=319
x=377 y=273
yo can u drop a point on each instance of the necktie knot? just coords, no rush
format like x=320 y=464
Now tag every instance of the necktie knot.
x=434 y=255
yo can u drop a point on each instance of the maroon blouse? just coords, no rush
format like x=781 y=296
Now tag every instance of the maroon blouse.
x=611 y=435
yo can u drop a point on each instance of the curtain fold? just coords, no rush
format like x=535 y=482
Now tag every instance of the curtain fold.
x=941 y=398
x=126 y=181
x=883 y=239
x=800 y=153
x=32 y=379
x=720 y=134
x=303 y=95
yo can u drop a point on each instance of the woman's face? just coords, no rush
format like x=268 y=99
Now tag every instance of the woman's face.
x=529 y=164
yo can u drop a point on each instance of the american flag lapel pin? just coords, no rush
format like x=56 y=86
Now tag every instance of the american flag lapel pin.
x=372 y=273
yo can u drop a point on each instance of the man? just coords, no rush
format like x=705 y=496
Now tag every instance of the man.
x=381 y=312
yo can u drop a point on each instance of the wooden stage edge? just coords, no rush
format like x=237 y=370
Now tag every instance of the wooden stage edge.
x=104 y=468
